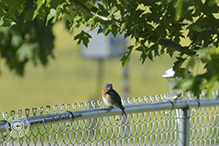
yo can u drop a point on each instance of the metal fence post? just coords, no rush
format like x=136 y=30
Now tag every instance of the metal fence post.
x=183 y=127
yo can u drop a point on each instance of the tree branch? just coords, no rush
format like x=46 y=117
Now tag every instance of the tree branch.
x=153 y=39
x=86 y=10
x=82 y=7
x=171 y=45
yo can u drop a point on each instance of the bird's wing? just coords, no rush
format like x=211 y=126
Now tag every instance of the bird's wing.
x=117 y=99
x=115 y=96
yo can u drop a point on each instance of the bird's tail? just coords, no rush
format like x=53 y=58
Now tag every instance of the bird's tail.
x=123 y=111
x=122 y=108
x=124 y=119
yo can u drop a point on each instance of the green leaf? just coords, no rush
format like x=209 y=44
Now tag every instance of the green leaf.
x=143 y=56
x=179 y=9
x=155 y=48
x=28 y=15
x=123 y=27
x=82 y=37
x=203 y=51
x=26 y=51
x=185 y=83
x=2 y=20
x=39 y=5
x=112 y=11
x=13 y=7
x=145 y=52
x=54 y=3
x=178 y=63
x=170 y=52
x=114 y=30
x=105 y=28
x=192 y=62
x=102 y=10
x=149 y=53
x=52 y=14
x=126 y=57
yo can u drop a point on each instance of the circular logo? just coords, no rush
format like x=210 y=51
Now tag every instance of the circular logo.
x=17 y=126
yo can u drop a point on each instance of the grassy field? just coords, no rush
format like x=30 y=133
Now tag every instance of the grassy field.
x=69 y=78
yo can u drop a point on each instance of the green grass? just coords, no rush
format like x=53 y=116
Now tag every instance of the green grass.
x=69 y=78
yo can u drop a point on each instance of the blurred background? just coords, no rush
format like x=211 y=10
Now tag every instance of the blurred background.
x=71 y=78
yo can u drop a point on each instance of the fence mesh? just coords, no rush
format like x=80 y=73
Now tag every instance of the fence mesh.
x=147 y=128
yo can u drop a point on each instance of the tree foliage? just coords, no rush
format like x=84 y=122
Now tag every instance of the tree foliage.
x=23 y=37
x=157 y=26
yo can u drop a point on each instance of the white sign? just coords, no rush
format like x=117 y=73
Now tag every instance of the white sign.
x=102 y=47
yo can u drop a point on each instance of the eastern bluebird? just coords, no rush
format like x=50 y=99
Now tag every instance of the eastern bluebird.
x=111 y=97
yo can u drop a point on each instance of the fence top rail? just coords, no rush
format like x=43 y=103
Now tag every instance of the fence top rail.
x=34 y=111
x=68 y=116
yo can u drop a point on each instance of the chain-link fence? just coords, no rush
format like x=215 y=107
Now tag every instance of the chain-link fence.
x=152 y=120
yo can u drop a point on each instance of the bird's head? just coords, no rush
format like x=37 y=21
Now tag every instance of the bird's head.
x=108 y=86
